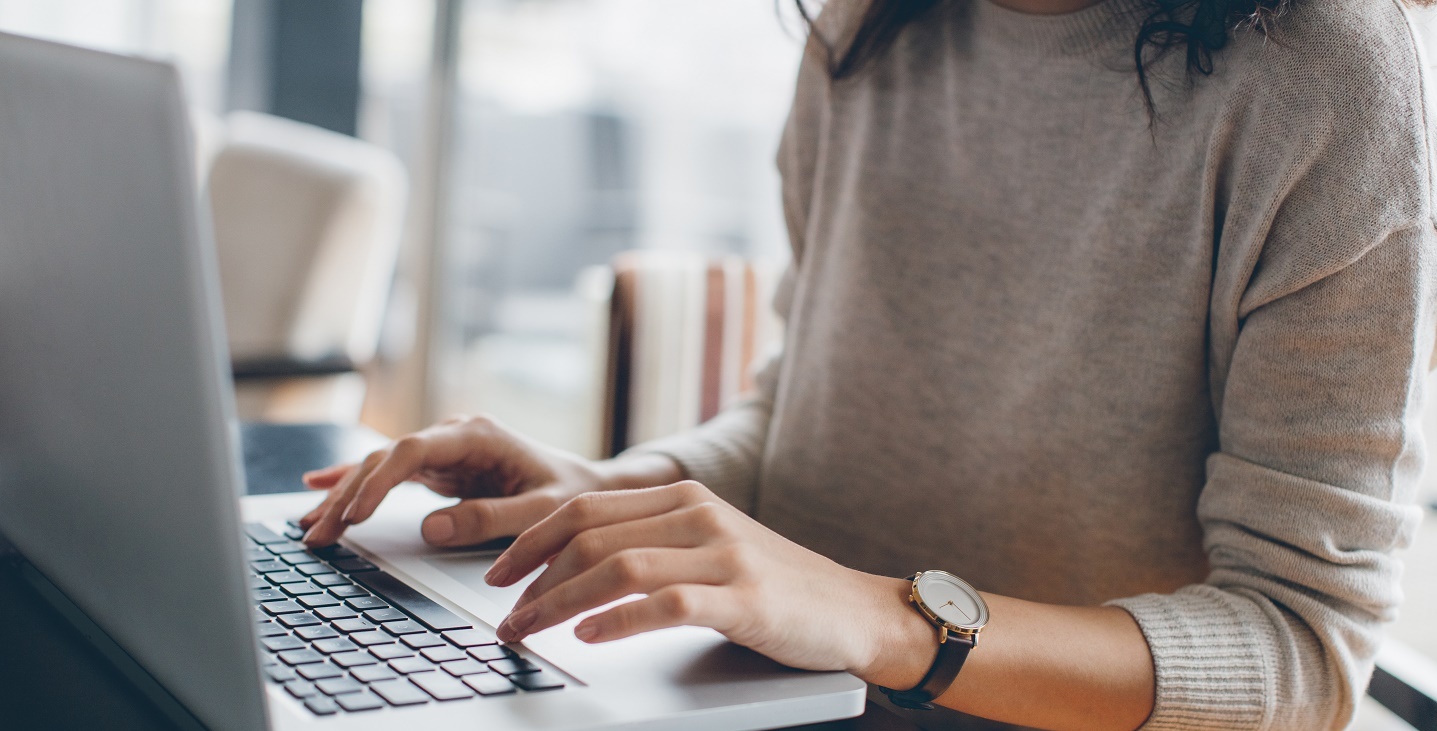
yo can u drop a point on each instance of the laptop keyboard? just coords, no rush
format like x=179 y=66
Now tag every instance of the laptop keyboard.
x=343 y=636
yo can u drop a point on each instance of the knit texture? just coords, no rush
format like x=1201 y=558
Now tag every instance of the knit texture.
x=1079 y=358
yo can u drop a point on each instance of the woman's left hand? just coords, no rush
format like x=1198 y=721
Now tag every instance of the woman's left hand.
x=701 y=562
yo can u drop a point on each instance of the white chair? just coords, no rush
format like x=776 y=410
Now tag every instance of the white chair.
x=307 y=225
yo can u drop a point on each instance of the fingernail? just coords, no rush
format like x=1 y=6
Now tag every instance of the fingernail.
x=514 y=627
x=438 y=529
x=498 y=573
x=586 y=631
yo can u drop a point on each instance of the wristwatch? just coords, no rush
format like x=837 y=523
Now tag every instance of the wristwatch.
x=959 y=613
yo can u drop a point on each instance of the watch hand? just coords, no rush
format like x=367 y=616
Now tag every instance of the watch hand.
x=955 y=606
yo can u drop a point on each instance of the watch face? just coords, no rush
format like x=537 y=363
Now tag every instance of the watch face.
x=952 y=599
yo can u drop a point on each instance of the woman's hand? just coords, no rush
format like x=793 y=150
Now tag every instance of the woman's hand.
x=701 y=562
x=507 y=483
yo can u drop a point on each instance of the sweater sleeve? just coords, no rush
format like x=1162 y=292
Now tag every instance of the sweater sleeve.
x=1304 y=505
x=1321 y=334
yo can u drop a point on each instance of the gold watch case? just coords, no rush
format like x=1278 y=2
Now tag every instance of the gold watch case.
x=964 y=629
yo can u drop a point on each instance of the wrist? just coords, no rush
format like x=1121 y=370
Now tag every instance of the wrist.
x=636 y=471
x=902 y=644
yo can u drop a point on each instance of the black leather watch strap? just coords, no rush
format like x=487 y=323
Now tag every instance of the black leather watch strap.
x=952 y=653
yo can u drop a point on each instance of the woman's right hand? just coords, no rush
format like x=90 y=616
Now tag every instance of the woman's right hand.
x=505 y=483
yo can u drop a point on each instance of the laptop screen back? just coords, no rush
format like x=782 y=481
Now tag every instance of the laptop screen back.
x=118 y=479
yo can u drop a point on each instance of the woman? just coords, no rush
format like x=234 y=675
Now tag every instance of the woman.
x=1119 y=310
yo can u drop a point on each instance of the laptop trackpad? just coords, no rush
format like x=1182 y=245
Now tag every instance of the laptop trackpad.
x=468 y=568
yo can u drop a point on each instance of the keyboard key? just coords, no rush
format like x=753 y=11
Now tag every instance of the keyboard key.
x=268 y=567
x=316 y=632
x=471 y=637
x=321 y=706
x=290 y=546
x=301 y=589
x=408 y=665
x=373 y=673
x=353 y=659
x=443 y=653
x=281 y=607
x=269 y=629
x=541 y=680
x=388 y=614
x=339 y=686
x=300 y=688
x=401 y=595
x=349 y=591
x=513 y=666
x=354 y=625
x=294 y=533
x=299 y=558
x=255 y=553
x=371 y=638
x=315 y=601
x=319 y=671
x=261 y=534
x=399 y=693
x=406 y=627
x=300 y=657
x=490 y=653
x=442 y=687
x=266 y=595
x=366 y=602
x=313 y=569
x=330 y=553
x=299 y=620
x=389 y=652
x=336 y=644
x=284 y=577
x=332 y=580
x=280 y=673
x=282 y=643
x=489 y=684
x=336 y=612
x=356 y=702
x=460 y=668
x=420 y=642
x=353 y=565
x=256 y=582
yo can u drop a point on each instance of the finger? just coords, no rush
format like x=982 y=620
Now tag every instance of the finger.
x=327 y=529
x=590 y=510
x=326 y=477
x=438 y=447
x=313 y=516
x=674 y=606
x=482 y=519
x=404 y=458
x=674 y=529
x=634 y=571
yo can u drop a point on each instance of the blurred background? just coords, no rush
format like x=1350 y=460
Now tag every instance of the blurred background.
x=537 y=139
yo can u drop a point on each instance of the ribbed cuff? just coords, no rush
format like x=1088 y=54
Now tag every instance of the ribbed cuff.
x=1211 y=654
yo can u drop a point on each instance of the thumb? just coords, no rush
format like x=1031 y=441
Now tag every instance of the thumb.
x=483 y=519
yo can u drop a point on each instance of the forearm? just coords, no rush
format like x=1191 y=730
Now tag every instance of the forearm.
x=1039 y=665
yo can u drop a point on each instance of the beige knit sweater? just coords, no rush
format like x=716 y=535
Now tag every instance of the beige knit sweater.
x=1076 y=359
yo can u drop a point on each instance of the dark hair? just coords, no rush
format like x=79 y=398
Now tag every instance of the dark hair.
x=1199 y=27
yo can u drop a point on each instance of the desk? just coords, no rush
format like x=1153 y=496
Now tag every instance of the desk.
x=50 y=678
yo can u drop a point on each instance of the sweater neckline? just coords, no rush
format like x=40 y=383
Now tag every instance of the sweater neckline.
x=1097 y=29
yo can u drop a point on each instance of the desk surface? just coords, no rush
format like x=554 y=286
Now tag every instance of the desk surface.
x=51 y=678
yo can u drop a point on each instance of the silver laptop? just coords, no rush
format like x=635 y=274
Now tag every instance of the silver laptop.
x=120 y=481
